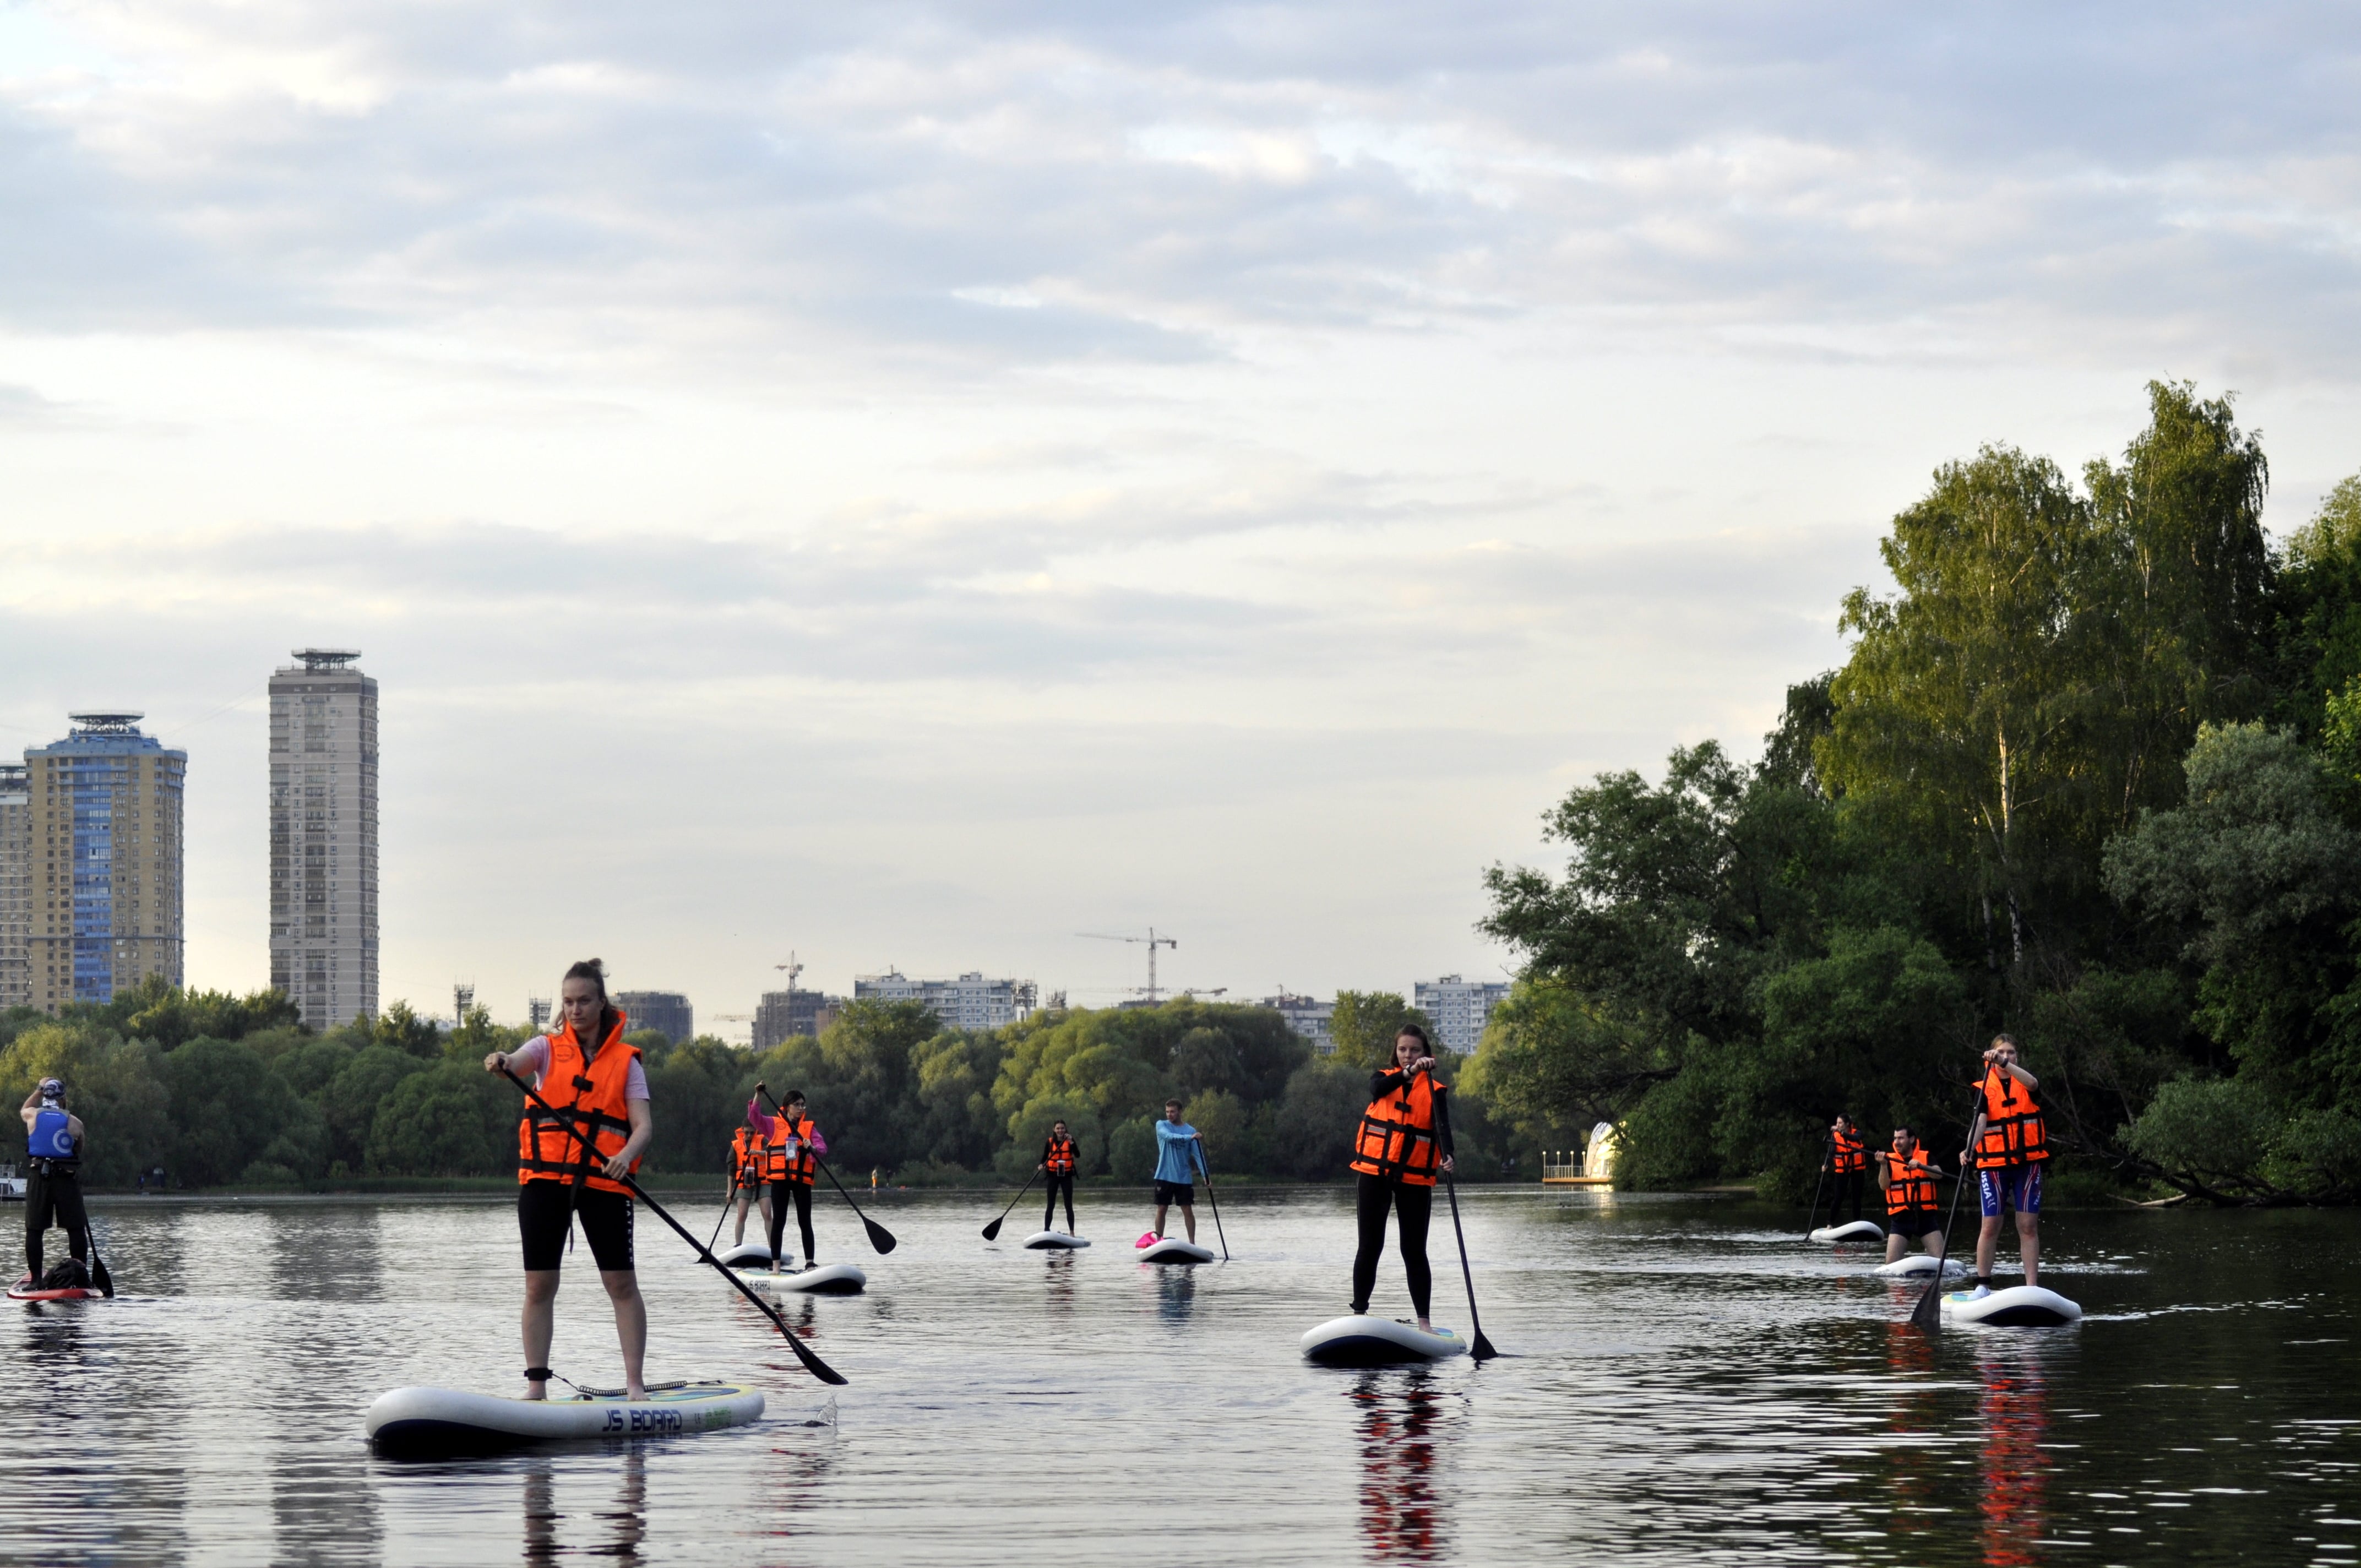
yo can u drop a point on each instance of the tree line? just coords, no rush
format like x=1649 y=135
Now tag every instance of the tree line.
x=2090 y=774
x=226 y=1089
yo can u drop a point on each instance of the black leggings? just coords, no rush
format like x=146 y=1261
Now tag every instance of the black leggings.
x=1059 y=1183
x=801 y=1193
x=1849 y=1185
x=1414 y=1204
x=60 y=1194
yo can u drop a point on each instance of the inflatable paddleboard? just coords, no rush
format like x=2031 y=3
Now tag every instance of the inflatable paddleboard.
x=1044 y=1240
x=76 y=1294
x=1377 y=1342
x=2018 y=1307
x=1859 y=1230
x=746 y=1255
x=1919 y=1265
x=827 y=1279
x=1172 y=1249
x=431 y=1424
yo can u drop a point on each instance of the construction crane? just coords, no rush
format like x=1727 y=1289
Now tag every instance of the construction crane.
x=1153 y=941
x=793 y=969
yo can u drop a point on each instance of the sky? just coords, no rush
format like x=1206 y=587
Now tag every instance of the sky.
x=907 y=485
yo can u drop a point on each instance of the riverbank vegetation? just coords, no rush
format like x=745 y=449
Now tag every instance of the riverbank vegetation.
x=2091 y=773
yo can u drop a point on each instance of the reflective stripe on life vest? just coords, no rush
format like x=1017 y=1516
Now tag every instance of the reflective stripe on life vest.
x=779 y=1166
x=2014 y=1133
x=587 y=1103
x=1908 y=1185
x=1397 y=1135
x=1061 y=1156
x=1851 y=1153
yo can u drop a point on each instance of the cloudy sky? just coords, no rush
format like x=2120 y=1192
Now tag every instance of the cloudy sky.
x=909 y=484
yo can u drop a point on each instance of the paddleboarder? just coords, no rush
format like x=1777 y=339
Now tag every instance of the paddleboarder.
x=1848 y=1159
x=1397 y=1155
x=792 y=1145
x=53 y=1180
x=1058 y=1162
x=1176 y=1169
x=747 y=1166
x=2008 y=1161
x=599 y=1090
x=1912 y=1208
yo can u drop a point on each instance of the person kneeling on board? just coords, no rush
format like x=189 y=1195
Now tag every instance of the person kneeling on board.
x=749 y=1179
x=1396 y=1155
x=1912 y=1208
x=791 y=1144
x=1057 y=1161
x=1849 y=1157
x=2007 y=1162
x=53 y=1186
x=571 y=1165
x=1176 y=1169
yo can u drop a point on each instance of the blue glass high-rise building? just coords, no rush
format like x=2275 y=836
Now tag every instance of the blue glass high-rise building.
x=104 y=861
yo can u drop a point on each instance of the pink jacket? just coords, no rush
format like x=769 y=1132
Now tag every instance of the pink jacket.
x=764 y=1121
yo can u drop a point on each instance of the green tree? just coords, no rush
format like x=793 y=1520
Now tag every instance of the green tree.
x=448 y=1120
x=1314 y=1123
x=351 y=1099
x=230 y=1110
x=1366 y=1023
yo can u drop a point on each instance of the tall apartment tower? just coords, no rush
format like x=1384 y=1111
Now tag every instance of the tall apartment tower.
x=323 y=836
x=15 y=887
x=102 y=857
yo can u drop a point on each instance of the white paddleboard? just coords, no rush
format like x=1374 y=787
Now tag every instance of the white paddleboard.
x=1859 y=1230
x=747 y=1254
x=827 y=1279
x=1172 y=1249
x=1919 y=1265
x=1044 y=1240
x=1377 y=1342
x=431 y=1423
x=2018 y=1307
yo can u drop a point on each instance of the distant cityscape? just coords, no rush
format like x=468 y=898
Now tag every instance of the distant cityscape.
x=91 y=887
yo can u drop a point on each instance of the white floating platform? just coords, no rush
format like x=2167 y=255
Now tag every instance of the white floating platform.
x=1058 y=1241
x=1172 y=1249
x=2018 y=1307
x=1377 y=1342
x=827 y=1279
x=435 y=1423
x=1859 y=1230
x=1918 y=1266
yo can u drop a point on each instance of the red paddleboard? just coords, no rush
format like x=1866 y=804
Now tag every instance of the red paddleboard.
x=20 y=1293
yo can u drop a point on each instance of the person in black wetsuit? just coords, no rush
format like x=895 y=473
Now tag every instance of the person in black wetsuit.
x=53 y=1188
x=1058 y=1160
x=1403 y=1143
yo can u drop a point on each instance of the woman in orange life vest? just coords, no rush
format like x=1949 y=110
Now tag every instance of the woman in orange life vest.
x=1397 y=1155
x=1912 y=1208
x=585 y=1069
x=1058 y=1159
x=793 y=1145
x=1849 y=1157
x=2007 y=1161
x=748 y=1168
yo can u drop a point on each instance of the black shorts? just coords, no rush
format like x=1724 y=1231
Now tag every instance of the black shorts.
x=1181 y=1192
x=1914 y=1223
x=542 y=1208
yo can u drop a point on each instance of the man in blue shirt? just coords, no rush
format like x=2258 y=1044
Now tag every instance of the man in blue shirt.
x=1176 y=1169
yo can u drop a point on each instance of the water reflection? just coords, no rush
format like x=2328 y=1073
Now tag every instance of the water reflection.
x=1058 y=1295
x=2012 y=1468
x=1401 y=1512
x=1914 y=1473
x=1175 y=1290
x=624 y=1524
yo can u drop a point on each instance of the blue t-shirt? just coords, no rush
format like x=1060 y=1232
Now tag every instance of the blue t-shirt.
x=1176 y=1158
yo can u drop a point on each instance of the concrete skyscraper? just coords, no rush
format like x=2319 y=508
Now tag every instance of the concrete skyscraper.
x=15 y=887
x=323 y=836
x=102 y=858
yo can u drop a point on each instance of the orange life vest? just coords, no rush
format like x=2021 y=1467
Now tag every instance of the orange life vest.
x=746 y=1157
x=1397 y=1136
x=1908 y=1185
x=2012 y=1130
x=805 y=1165
x=590 y=1106
x=1851 y=1153
x=1060 y=1159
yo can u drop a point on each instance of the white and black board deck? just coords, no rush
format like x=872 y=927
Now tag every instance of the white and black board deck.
x=1918 y=1266
x=1054 y=1241
x=1859 y=1230
x=746 y=1255
x=2018 y=1307
x=438 y=1423
x=1377 y=1342
x=827 y=1279
x=1172 y=1249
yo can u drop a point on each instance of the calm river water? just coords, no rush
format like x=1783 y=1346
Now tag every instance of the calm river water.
x=1685 y=1380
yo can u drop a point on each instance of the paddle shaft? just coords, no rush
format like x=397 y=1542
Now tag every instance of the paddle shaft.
x=1212 y=1197
x=728 y=1195
x=1812 y=1221
x=991 y=1230
x=1479 y=1347
x=879 y=1236
x=812 y=1362
x=1929 y=1313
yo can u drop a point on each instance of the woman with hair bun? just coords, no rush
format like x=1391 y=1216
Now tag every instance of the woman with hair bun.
x=1401 y=1145
x=571 y=1164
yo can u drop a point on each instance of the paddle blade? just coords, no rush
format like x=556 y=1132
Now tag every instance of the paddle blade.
x=1482 y=1349
x=99 y=1276
x=879 y=1236
x=1927 y=1315
x=991 y=1230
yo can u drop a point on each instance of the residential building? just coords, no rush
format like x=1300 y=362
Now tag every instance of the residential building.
x=971 y=1001
x=103 y=861
x=1307 y=1017
x=783 y=1015
x=1458 y=1009
x=536 y=1013
x=324 y=915
x=15 y=887
x=666 y=1010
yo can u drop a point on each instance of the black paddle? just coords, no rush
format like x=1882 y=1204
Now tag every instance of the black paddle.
x=812 y=1363
x=1211 y=1196
x=1927 y=1314
x=98 y=1275
x=728 y=1197
x=991 y=1230
x=879 y=1236
x=1812 y=1220
x=1479 y=1347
